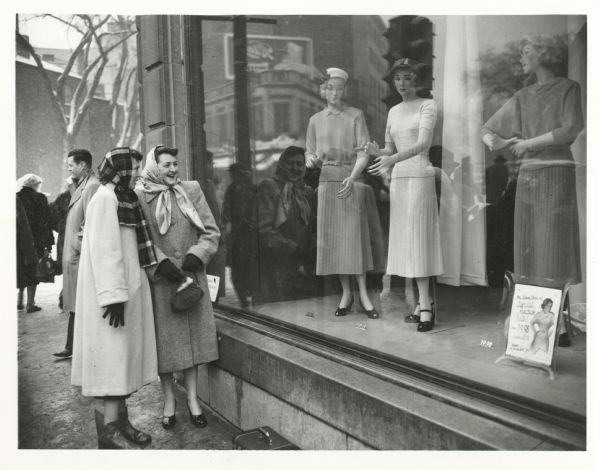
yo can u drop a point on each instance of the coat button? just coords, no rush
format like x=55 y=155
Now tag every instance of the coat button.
x=177 y=254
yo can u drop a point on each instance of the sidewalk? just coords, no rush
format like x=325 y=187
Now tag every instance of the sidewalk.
x=54 y=415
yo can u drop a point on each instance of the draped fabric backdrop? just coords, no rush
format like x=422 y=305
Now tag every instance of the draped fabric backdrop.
x=462 y=208
x=577 y=29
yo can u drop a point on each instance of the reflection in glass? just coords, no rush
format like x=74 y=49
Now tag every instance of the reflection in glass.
x=285 y=208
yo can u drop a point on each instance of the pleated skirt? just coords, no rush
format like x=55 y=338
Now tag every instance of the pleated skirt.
x=546 y=249
x=414 y=245
x=349 y=240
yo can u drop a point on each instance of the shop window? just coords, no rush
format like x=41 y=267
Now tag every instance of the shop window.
x=457 y=213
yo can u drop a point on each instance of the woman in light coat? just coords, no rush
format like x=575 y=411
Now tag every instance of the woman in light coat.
x=114 y=345
x=186 y=237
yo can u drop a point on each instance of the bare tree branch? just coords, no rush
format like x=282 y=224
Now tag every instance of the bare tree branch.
x=70 y=24
x=62 y=79
x=75 y=103
x=75 y=125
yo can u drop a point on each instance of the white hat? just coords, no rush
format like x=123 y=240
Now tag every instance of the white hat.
x=334 y=72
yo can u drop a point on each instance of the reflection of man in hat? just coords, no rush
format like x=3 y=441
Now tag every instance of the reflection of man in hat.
x=496 y=179
x=238 y=204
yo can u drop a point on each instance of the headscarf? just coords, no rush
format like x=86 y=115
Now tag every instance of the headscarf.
x=154 y=184
x=293 y=193
x=29 y=180
x=116 y=167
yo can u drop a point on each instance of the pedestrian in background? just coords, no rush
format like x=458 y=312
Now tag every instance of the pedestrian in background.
x=58 y=210
x=37 y=211
x=185 y=237
x=79 y=163
x=114 y=345
x=26 y=254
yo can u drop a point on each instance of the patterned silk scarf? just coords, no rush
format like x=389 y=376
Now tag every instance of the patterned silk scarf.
x=153 y=184
x=116 y=167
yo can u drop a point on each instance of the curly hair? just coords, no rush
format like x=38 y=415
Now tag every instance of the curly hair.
x=30 y=180
x=552 y=50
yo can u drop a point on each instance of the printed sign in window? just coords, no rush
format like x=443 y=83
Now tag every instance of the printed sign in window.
x=533 y=323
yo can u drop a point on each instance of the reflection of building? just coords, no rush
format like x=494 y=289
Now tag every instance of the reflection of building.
x=282 y=102
x=287 y=59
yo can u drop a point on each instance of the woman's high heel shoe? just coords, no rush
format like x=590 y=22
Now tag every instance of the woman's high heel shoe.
x=373 y=314
x=414 y=317
x=342 y=311
x=169 y=422
x=427 y=325
x=197 y=420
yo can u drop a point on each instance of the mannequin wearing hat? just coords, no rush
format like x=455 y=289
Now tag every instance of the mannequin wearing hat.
x=414 y=249
x=344 y=238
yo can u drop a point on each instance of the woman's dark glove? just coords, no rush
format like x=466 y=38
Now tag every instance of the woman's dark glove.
x=117 y=314
x=168 y=270
x=192 y=263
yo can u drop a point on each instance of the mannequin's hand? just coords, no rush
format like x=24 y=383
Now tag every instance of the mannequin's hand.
x=346 y=190
x=495 y=142
x=370 y=148
x=312 y=161
x=520 y=148
x=381 y=165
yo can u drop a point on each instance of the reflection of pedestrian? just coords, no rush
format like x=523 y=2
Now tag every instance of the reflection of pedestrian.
x=216 y=266
x=238 y=206
x=186 y=236
x=114 y=345
x=285 y=207
x=38 y=214
x=79 y=162
x=496 y=177
x=542 y=325
x=496 y=183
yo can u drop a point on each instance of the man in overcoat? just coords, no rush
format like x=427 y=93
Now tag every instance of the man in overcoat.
x=79 y=163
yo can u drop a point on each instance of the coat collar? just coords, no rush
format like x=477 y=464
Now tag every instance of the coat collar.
x=76 y=196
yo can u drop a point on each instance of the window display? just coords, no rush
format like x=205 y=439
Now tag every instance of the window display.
x=481 y=174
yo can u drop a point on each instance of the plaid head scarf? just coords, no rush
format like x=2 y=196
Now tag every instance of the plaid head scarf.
x=116 y=168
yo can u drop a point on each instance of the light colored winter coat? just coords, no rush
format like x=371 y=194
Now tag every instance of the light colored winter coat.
x=108 y=360
x=73 y=236
x=189 y=338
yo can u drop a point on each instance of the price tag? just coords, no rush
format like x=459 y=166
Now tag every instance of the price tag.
x=213 y=286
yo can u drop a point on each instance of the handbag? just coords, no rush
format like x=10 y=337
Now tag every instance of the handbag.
x=187 y=295
x=46 y=268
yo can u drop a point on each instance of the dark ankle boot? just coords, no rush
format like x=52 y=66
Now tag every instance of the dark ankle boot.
x=132 y=434
x=99 y=418
x=112 y=438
